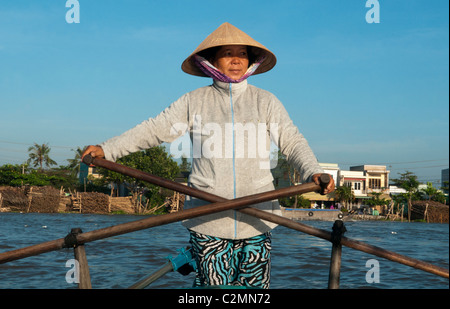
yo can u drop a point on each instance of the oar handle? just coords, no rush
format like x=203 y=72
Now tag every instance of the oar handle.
x=324 y=182
x=88 y=159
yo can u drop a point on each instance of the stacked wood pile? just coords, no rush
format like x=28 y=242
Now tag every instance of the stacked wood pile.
x=430 y=211
x=51 y=200
x=30 y=199
x=91 y=202
x=43 y=199
x=13 y=199
x=122 y=204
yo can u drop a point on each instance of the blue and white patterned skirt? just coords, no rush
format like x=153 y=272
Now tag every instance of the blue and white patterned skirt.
x=235 y=262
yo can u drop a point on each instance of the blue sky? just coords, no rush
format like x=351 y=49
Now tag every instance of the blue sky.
x=360 y=93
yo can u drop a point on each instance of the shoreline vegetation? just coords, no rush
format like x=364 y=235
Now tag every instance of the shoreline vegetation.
x=51 y=200
x=41 y=194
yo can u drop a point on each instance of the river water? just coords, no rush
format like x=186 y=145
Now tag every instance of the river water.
x=299 y=261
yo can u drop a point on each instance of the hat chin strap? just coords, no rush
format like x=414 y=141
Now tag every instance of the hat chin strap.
x=213 y=72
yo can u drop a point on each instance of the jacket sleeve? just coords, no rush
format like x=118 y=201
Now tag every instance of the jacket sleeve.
x=166 y=127
x=291 y=142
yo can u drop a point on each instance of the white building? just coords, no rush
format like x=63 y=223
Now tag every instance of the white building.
x=363 y=180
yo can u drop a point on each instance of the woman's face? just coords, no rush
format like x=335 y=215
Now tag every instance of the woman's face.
x=232 y=60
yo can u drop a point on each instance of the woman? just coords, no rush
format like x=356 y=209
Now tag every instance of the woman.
x=231 y=124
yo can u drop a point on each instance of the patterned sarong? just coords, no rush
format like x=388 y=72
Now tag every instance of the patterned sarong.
x=236 y=262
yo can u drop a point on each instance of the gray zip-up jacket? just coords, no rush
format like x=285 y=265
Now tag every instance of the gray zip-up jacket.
x=231 y=126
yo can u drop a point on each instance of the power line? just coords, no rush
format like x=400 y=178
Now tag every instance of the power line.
x=417 y=167
x=10 y=150
x=404 y=162
x=414 y=162
x=30 y=144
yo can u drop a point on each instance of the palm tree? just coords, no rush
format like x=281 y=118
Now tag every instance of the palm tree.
x=409 y=182
x=430 y=191
x=74 y=164
x=39 y=155
x=345 y=194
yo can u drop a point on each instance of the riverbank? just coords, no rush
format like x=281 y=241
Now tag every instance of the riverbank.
x=308 y=214
x=50 y=200
x=350 y=218
x=426 y=211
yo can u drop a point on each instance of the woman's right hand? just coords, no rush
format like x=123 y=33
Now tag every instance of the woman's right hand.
x=94 y=151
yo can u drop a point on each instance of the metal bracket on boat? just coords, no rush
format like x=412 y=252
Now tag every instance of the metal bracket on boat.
x=184 y=263
x=70 y=241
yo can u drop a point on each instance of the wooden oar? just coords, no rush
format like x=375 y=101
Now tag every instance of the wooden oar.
x=143 y=283
x=212 y=208
x=156 y=221
x=175 y=186
x=271 y=217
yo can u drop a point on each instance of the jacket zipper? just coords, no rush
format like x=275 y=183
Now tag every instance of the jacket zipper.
x=234 y=161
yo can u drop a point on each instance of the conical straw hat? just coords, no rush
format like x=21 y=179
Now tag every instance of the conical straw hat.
x=228 y=34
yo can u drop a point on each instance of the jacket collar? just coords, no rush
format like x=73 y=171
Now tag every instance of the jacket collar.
x=236 y=88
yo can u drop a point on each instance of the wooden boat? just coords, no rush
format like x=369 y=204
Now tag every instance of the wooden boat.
x=76 y=239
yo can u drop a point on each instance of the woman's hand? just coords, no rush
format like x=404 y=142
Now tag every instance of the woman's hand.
x=331 y=186
x=93 y=151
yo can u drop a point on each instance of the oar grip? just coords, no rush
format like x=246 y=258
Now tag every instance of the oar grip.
x=88 y=159
x=324 y=181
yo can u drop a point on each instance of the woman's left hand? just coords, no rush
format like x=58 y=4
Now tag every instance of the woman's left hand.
x=331 y=186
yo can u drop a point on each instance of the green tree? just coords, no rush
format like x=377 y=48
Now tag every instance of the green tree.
x=433 y=194
x=74 y=164
x=409 y=182
x=33 y=178
x=399 y=200
x=185 y=165
x=9 y=173
x=39 y=155
x=63 y=176
x=345 y=194
x=376 y=200
x=285 y=168
x=445 y=187
x=430 y=191
x=155 y=161
x=445 y=193
x=19 y=175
